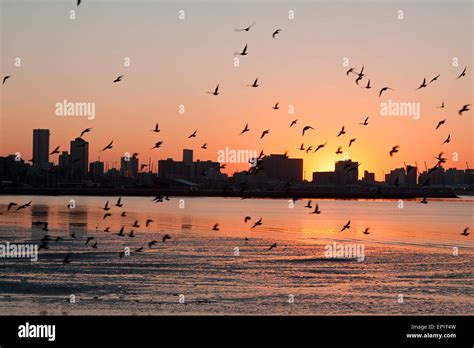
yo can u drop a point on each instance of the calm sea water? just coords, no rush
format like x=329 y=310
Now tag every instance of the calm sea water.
x=408 y=265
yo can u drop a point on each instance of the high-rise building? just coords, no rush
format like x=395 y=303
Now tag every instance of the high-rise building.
x=96 y=169
x=41 y=148
x=79 y=158
x=410 y=177
x=369 y=178
x=129 y=167
x=279 y=167
x=187 y=156
x=346 y=173
x=396 y=176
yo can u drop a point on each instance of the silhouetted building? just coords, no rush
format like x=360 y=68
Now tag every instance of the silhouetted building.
x=207 y=169
x=96 y=169
x=454 y=177
x=411 y=174
x=346 y=173
x=41 y=149
x=79 y=158
x=323 y=178
x=396 y=176
x=369 y=178
x=170 y=169
x=279 y=167
x=129 y=167
x=187 y=156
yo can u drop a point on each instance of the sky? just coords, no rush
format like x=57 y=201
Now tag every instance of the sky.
x=174 y=62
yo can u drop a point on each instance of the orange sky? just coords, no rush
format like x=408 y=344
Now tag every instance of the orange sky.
x=175 y=62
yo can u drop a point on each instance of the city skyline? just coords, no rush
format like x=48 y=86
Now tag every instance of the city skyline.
x=315 y=85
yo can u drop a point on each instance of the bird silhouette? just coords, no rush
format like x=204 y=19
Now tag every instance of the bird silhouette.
x=216 y=227
x=193 y=135
x=394 y=150
x=139 y=250
x=204 y=146
x=119 y=202
x=306 y=128
x=423 y=84
x=247 y=218
x=89 y=239
x=316 y=210
x=87 y=130
x=463 y=73
x=424 y=201
x=148 y=222
x=308 y=205
x=108 y=147
x=243 y=53
x=360 y=75
x=440 y=123
x=275 y=107
x=124 y=214
x=365 y=123
x=106 y=215
x=465 y=232
x=118 y=79
x=351 y=141
x=255 y=83
x=273 y=246
x=152 y=243
x=434 y=79
x=276 y=32
x=366 y=231
x=55 y=151
x=341 y=132
x=258 y=223
x=135 y=224
x=346 y=226
x=309 y=149
x=293 y=123
x=265 y=132
x=156 y=130
x=448 y=140
x=5 y=78
x=216 y=91
x=368 y=86
x=338 y=152
x=464 y=109
x=157 y=145
x=94 y=245
x=247 y=28
x=106 y=207
x=131 y=234
x=165 y=237
x=23 y=206
x=246 y=129
x=383 y=90
x=120 y=233
x=320 y=146
x=107 y=229
x=10 y=205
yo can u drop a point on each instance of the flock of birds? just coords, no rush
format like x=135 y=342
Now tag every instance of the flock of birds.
x=360 y=76
x=92 y=242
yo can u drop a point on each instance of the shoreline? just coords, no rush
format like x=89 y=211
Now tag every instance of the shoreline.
x=313 y=193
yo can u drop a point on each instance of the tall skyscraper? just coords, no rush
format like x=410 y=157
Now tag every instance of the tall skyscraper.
x=346 y=172
x=187 y=156
x=79 y=158
x=129 y=167
x=41 y=148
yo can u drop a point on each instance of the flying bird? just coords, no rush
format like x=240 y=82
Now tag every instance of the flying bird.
x=383 y=90
x=246 y=29
x=118 y=79
x=440 y=123
x=465 y=232
x=463 y=109
x=308 y=205
x=258 y=223
x=216 y=91
x=10 y=205
x=119 y=202
x=448 y=139
x=243 y=53
x=56 y=150
x=342 y=132
x=156 y=130
x=106 y=207
x=108 y=147
x=434 y=79
x=193 y=135
x=346 y=226
x=293 y=123
x=276 y=32
x=423 y=84
x=265 y=132
x=351 y=141
x=316 y=210
x=424 y=201
x=157 y=145
x=106 y=215
x=360 y=75
x=351 y=70
x=23 y=206
x=87 y=130
x=89 y=239
x=275 y=107
x=306 y=128
x=320 y=146
x=366 y=231
x=247 y=218
x=338 y=152
x=5 y=78
x=255 y=83
x=273 y=246
x=148 y=222
x=368 y=85
x=152 y=243
x=463 y=73
x=165 y=237
x=246 y=129
x=394 y=150
x=442 y=105
x=216 y=227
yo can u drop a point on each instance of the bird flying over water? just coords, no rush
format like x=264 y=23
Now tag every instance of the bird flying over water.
x=366 y=231
x=273 y=246
x=465 y=232
x=165 y=237
x=316 y=210
x=118 y=79
x=258 y=223
x=119 y=202
x=216 y=227
x=346 y=226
